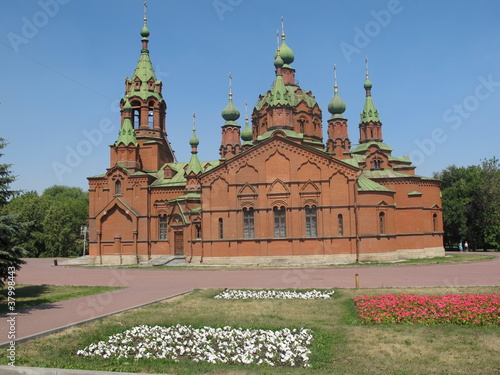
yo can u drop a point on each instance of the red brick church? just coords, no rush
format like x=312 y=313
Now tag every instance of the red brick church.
x=280 y=192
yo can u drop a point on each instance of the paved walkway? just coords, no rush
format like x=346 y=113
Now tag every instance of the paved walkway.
x=145 y=286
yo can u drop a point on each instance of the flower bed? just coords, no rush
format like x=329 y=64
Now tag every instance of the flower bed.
x=466 y=309
x=285 y=347
x=273 y=294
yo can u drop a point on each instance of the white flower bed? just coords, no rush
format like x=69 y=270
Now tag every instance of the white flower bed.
x=273 y=294
x=228 y=345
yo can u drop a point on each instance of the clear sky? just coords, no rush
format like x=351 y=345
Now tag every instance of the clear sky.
x=434 y=65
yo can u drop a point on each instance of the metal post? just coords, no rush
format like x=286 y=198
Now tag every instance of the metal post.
x=84 y=231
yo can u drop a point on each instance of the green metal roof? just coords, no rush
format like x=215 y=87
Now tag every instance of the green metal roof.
x=365 y=184
x=194 y=165
x=288 y=133
x=364 y=146
x=293 y=98
x=145 y=72
x=285 y=53
x=179 y=178
x=186 y=197
x=414 y=193
x=336 y=106
x=247 y=134
x=126 y=135
x=230 y=113
x=386 y=173
x=128 y=207
x=369 y=113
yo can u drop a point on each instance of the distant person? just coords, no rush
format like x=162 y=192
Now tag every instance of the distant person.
x=460 y=246
x=466 y=246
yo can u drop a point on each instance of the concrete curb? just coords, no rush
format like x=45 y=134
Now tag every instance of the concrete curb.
x=10 y=370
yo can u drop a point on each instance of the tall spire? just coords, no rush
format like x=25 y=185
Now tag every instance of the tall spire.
x=143 y=91
x=145 y=30
x=246 y=134
x=143 y=82
x=369 y=113
x=338 y=143
x=194 y=165
x=370 y=127
x=230 y=143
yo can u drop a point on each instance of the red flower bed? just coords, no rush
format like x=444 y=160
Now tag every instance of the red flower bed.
x=461 y=309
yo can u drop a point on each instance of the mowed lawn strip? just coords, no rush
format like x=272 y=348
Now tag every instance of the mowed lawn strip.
x=34 y=295
x=342 y=343
x=448 y=258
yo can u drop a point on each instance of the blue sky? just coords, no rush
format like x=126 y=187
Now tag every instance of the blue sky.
x=434 y=65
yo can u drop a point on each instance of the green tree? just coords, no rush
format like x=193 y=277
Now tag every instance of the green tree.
x=55 y=219
x=488 y=203
x=471 y=204
x=30 y=208
x=10 y=226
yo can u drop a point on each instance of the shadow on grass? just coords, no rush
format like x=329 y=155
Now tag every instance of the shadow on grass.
x=33 y=292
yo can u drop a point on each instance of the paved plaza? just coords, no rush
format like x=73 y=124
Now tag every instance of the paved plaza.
x=145 y=286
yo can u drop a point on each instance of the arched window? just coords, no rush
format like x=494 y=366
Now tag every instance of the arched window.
x=435 y=223
x=248 y=223
x=341 y=224
x=198 y=231
x=381 y=223
x=279 y=222
x=302 y=125
x=151 y=115
x=376 y=163
x=136 y=114
x=221 y=228
x=118 y=187
x=162 y=227
x=311 y=222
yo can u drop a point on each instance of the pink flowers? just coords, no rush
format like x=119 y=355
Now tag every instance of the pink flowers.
x=460 y=309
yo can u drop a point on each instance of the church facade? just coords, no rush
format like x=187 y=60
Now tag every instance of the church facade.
x=278 y=194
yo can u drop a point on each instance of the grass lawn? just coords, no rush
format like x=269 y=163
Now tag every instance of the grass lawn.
x=342 y=344
x=449 y=258
x=33 y=295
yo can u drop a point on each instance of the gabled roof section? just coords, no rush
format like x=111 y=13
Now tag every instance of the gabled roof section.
x=266 y=142
x=365 y=184
x=392 y=174
x=179 y=178
x=116 y=201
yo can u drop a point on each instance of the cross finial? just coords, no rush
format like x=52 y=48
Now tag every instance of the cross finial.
x=246 y=110
x=282 y=27
x=145 y=11
x=194 y=121
x=230 y=85
x=366 y=66
x=278 y=39
x=335 y=74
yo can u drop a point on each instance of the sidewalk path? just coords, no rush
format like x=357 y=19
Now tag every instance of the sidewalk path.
x=144 y=286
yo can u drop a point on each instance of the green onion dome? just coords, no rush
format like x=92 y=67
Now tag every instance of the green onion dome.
x=336 y=106
x=230 y=113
